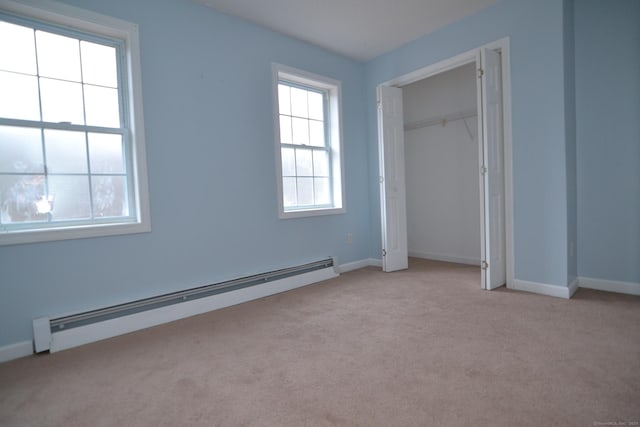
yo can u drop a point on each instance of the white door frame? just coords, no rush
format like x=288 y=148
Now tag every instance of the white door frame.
x=472 y=56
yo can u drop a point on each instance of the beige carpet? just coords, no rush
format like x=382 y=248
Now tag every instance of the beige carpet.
x=423 y=347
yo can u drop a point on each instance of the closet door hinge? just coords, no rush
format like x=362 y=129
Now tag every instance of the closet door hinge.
x=480 y=73
x=483 y=170
x=485 y=265
x=384 y=252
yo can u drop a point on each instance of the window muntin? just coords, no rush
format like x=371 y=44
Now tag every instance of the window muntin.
x=308 y=143
x=305 y=149
x=71 y=140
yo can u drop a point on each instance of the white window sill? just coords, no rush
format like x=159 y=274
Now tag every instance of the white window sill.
x=48 y=235
x=302 y=213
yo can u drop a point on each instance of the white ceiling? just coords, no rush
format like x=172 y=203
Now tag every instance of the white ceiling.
x=358 y=29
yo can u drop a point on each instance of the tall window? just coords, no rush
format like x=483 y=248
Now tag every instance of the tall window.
x=68 y=164
x=309 y=143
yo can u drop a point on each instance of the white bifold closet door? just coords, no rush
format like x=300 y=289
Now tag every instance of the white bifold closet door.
x=492 y=183
x=393 y=199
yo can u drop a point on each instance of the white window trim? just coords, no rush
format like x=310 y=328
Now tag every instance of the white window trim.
x=337 y=146
x=94 y=23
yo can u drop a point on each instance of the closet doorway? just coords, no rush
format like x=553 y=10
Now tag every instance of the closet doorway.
x=456 y=228
x=441 y=164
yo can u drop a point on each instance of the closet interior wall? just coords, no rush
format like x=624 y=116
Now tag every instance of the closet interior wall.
x=442 y=179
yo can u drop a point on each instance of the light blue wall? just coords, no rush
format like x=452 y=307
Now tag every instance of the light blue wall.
x=210 y=152
x=535 y=28
x=570 y=139
x=607 y=52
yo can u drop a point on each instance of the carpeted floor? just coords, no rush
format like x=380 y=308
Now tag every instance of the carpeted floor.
x=423 y=347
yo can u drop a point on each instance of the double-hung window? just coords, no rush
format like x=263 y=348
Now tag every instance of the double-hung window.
x=308 y=143
x=71 y=139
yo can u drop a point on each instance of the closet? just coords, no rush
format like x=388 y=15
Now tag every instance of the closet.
x=441 y=161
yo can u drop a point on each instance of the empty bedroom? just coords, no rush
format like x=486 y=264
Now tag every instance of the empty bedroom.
x=349 y=213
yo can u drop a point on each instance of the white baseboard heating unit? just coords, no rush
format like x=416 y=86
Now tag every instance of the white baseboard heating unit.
x=63 y=332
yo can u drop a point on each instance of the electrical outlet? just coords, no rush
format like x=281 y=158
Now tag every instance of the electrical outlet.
x=349 y=238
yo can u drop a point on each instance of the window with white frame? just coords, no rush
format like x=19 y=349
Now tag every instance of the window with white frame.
x=71 y=139
x=309 y=143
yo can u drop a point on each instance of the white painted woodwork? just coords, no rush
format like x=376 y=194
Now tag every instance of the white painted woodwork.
x=493 y=182
x=630 y=288
x=473 y=56
x=64 y=15
x=336 y=140
x=73 y=337
x=16 y=351
x=442 y=178
x=392 y=179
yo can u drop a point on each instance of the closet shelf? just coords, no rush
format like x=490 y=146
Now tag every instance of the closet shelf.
x=442 y=120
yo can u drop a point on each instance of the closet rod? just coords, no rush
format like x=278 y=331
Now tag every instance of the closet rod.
x=440 y=120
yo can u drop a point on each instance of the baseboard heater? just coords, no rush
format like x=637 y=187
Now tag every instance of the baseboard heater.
x=63 y=332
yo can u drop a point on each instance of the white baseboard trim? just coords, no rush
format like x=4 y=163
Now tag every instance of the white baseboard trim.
x=122 y=325
x=446 y=258
x=573 y=286
x=357 y=265
x=375 y=262
x=16 y=351
x=542 y=288
x=630 y=288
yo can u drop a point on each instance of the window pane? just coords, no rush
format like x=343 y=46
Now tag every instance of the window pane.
x=99 y=64
x=322 y=191
x=70 y=197
x=105 y=153
x=66 y=158
x=299 y=102
x=66 y=151
x=19 y=96
x=20 y=150
x=300 y=131
x=17 y=49
x=61 y=101
x=304 y=163
x=285 y=130
x=316 y=107
x=310 y=169
x=305 y=191
x=19 y=196
x=289 y=192
x=316 y=133
x=288 y=162
x=58 y=56
x=101 y=106
x=109 y=196
x=320 y=163
x=284 y=100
